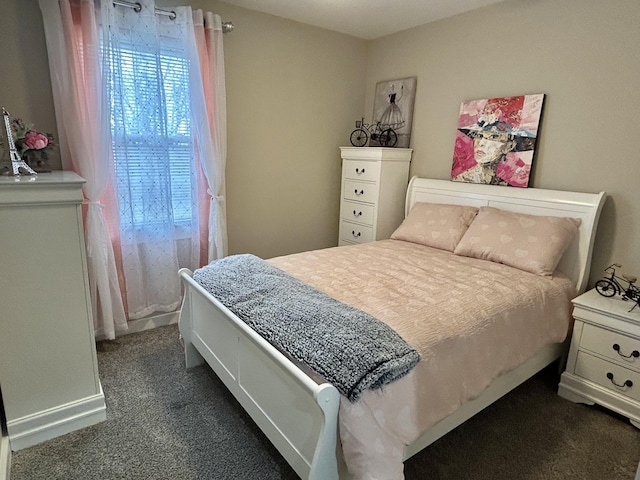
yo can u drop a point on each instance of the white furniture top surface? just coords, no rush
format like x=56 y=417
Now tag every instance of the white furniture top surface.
x=57 y=177
x=614 y=307
x=44 y=188
x=376 y=153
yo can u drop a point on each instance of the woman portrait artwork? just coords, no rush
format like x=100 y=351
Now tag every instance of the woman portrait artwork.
x=495 y=140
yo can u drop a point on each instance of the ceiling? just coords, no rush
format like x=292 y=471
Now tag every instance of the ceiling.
x=366 y=19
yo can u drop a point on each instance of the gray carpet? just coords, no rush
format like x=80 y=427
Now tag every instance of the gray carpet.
x=164 y=422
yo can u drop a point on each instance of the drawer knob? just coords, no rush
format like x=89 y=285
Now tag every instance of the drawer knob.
x=627 y=383
x=357 y=214
x=358 y=193
x=359 y=171
x=355 y=235
x=634 y=354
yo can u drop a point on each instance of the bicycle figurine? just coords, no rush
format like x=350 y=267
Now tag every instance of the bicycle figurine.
x=612 y=284
x=380 y=132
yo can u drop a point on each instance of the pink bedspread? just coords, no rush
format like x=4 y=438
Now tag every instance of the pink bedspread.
x=470 y=319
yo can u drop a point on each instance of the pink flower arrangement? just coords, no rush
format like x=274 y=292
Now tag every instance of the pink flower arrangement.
x=26 y=138
x=32 y=146
x=35 y=140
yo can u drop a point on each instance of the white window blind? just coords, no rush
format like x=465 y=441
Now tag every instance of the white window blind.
x=151 y=133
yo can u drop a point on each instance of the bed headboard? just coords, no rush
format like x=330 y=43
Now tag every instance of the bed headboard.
x=575 y=263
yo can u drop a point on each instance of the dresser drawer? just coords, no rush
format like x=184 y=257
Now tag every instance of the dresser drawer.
x=354 y=233
x=360 y=191
x=598 y=371
x=359 y=170
x=612 y=345
x=357 y=212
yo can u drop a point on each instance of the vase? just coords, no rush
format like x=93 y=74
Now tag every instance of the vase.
x=37 y=160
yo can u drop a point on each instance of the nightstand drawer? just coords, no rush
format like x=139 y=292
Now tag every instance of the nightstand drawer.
x=360 y=191
x=357 y=212
x=607 y=375
x=361 y=170
x=612 y=345
x=351 y=232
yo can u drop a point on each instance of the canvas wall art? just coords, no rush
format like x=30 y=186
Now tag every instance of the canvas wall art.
x=393 y=108
x=496 y=139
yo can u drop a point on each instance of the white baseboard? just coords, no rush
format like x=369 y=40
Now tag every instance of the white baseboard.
x=153 y=321
x=5 y=458
x=41 y=426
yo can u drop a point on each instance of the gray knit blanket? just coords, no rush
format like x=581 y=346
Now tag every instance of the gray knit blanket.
x=348 y=347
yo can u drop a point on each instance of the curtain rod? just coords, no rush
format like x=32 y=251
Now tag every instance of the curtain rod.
x=226 y=26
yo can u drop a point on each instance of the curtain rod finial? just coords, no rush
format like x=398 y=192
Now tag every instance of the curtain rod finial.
x=227 y=27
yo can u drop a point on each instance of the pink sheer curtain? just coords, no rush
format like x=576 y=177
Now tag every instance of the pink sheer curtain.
x=212 y=129
x=83 y=117
x=73 y=44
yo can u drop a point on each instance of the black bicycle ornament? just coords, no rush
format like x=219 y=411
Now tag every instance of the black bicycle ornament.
x=623 y=285
x=382 y=133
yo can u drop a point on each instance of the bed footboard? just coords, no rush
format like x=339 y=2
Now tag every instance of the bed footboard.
x=298 y=415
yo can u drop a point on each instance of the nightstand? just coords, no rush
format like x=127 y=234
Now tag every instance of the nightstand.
x=603 y=366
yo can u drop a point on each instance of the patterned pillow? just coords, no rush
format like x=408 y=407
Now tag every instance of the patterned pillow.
x=531 y=243
x=435 y=225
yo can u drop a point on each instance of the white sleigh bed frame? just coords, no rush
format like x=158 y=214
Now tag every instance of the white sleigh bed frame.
x=299 y=416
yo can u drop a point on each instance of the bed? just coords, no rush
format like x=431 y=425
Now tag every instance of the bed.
x=304 y=417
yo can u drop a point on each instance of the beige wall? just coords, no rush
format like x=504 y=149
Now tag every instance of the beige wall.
x=582 y=54
x=25 y=85
x=294 y=92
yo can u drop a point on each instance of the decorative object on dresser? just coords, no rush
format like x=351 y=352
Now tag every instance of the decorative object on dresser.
x=603 y=366
x=495 y=140
x=393 y=109
x=48 y=364
x=374 y=184
x=27 y=147
x=386 y=136
x=18 y=165
x=623 y=285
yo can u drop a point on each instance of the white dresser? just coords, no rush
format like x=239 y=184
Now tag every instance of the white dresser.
x=604 y=360
x=48 y=365
x=374 y=186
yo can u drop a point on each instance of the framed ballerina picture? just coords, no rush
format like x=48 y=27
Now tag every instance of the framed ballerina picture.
x=393 y=108
x=496 y=139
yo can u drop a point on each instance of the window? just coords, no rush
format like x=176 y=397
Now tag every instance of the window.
x=151 y=138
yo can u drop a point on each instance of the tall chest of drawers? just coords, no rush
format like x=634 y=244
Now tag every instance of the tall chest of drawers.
x=603 y=366
x=48 y=363
x=374 y=186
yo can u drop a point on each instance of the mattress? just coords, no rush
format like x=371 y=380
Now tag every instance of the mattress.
x=471 y=320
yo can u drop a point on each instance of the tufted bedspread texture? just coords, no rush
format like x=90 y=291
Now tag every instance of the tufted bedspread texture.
x=471 y=320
